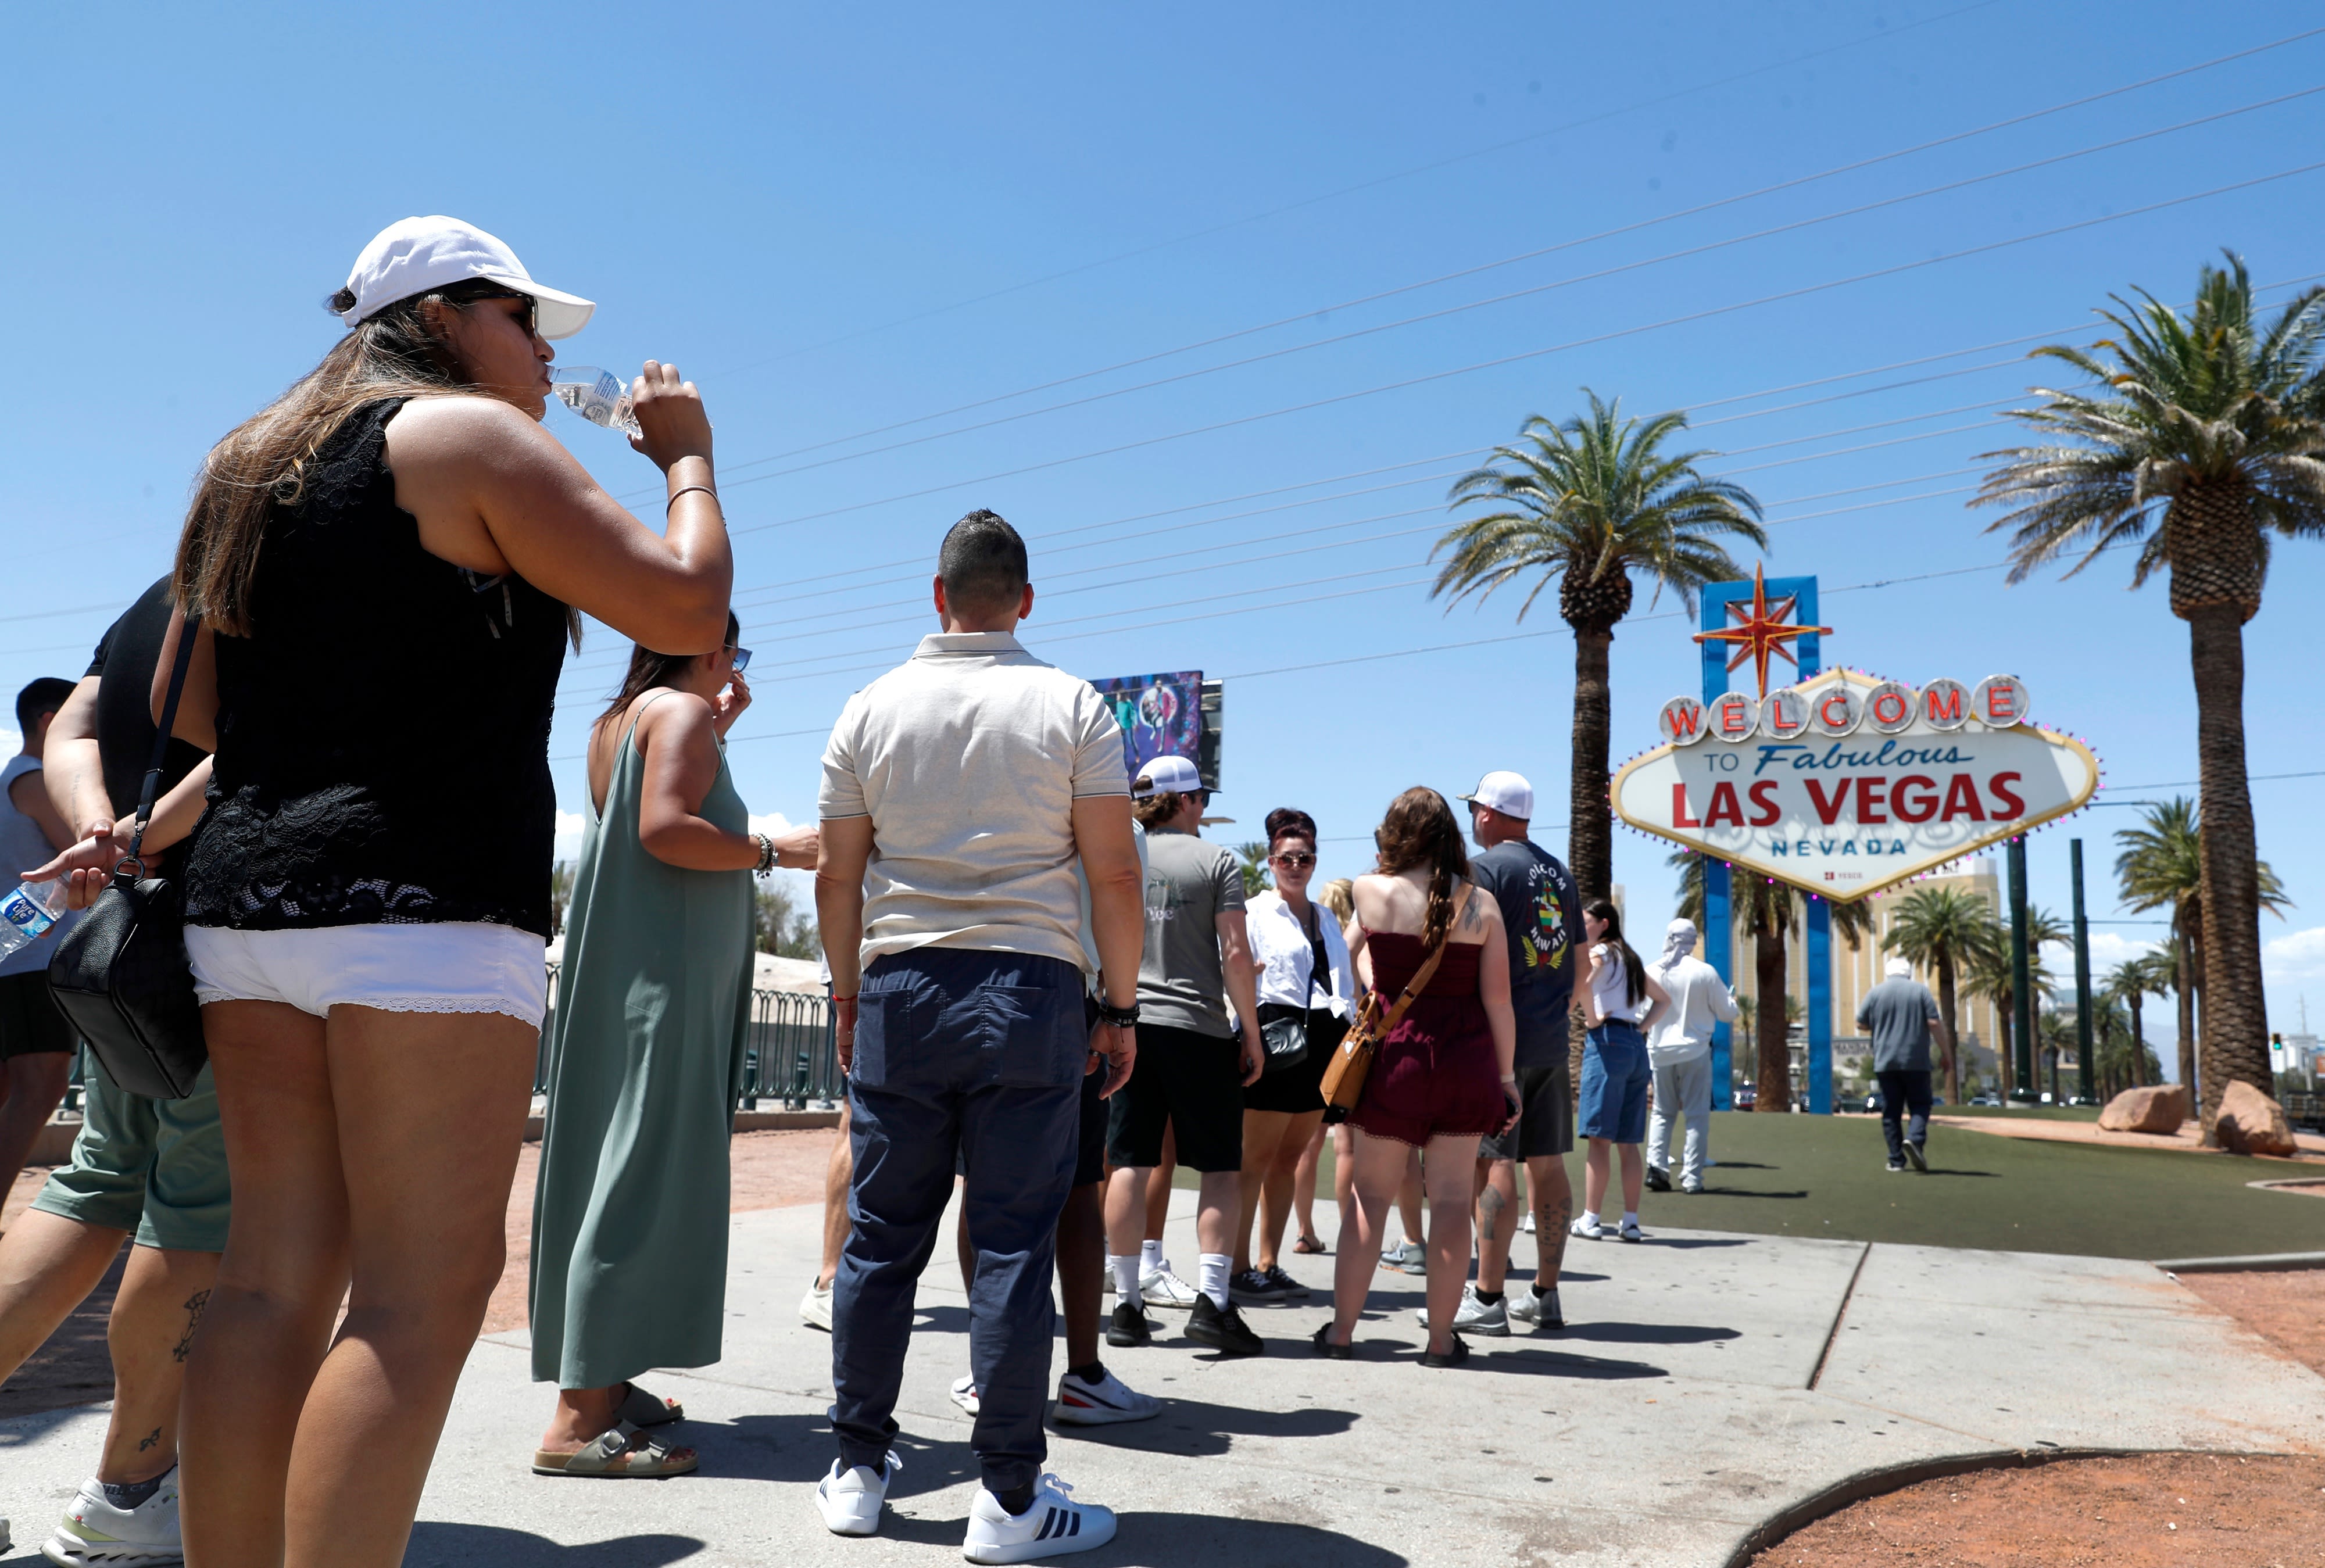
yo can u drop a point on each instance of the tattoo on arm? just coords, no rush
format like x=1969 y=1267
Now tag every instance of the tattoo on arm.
x=149 y=1440
x=185 y=1345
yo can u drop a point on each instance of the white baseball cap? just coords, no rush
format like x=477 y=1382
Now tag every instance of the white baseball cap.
x=1166 y=776
x=1506 y=792
x=421 y=253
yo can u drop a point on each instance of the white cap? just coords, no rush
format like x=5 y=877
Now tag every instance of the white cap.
x=421 y=253
x=1507 y=793
x=1166 y=776
x=1898 y=969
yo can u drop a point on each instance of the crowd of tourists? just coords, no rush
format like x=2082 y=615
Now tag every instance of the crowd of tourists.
x=325 y=729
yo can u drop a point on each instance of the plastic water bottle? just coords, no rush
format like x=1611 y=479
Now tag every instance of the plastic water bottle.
x=599 y=396
x=26 y=914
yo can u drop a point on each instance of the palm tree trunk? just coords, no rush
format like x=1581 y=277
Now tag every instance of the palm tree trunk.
x=2235 y=1015
x=1946 y=1026
x=1769 y=1027
x=2185 y=998
x=1589 y=840
x=2005 y=1061
x=2138 y=1046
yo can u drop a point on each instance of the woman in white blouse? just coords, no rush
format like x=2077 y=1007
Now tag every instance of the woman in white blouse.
x=1305 y=978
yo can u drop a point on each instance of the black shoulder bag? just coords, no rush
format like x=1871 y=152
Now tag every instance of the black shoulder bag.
x=120 y=976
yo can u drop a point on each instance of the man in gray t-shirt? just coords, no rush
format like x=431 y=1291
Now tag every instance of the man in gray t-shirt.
x=1897 y=1014
x=1194 y=1059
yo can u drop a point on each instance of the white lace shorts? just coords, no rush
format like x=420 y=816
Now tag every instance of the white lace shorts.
x=455 y=967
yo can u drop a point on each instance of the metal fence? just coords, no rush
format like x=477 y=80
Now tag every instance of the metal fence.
x=789 y=1054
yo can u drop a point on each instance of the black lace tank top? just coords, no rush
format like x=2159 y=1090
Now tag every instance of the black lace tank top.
x=382 y=752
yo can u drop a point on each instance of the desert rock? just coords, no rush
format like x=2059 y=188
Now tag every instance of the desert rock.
x=2250 y=1122
x=2159 y=1108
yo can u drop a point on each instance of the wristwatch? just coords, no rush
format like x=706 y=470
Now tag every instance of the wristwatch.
x=1121 y=1018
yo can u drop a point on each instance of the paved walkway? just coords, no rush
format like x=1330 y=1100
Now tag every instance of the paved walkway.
x=1708 y=1381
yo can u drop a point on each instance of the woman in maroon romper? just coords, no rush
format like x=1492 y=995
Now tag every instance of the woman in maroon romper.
x=1444 y=1076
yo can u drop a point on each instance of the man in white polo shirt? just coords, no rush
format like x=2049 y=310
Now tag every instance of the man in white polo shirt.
x=959 y=791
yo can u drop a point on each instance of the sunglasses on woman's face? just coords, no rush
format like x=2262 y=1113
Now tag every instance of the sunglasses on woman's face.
x=742 y=661
x=1294 y=859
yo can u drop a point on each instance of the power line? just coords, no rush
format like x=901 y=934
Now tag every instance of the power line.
x=2197 y=783
x=1709 y=312
x=1537 y=253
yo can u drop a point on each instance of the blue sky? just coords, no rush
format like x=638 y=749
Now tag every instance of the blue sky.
x=842 y=219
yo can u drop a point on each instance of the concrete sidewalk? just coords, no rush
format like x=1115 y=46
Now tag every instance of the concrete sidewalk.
x=1707 y=1382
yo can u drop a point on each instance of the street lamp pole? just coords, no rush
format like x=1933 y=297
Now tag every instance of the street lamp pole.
x=2022 y=979
x=2083 y=1090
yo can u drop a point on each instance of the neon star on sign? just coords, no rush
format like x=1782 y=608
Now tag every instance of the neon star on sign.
x=1761 y=630
x=1844 y=785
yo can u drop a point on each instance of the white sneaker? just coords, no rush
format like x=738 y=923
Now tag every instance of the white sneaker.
x=850 y=1501
x=815 y=1307
x=1589 y=1229
x=963 y=1394
x=1103 y=1402
x=93 y=1531
x=1474 y=1316
x=1525 y=1223
x=1165 y=1288
x=1052 y=1525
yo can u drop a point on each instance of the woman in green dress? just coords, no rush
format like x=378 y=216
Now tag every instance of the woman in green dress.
x=629 y=1214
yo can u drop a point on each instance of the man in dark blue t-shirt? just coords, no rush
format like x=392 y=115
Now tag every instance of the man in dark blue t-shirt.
x=1542 y=913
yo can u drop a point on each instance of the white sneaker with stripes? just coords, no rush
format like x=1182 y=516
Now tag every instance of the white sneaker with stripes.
x=1051 y=1527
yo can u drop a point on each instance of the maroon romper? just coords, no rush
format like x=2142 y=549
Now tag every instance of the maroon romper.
x=1436 y=1075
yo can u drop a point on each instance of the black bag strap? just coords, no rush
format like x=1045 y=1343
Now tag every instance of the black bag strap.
x=186 y=633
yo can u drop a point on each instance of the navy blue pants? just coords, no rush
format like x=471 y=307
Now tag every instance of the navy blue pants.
x=970 y=1060
x=1903 y=1092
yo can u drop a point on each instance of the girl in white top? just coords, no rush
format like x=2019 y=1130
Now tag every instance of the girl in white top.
x=1620 y=1001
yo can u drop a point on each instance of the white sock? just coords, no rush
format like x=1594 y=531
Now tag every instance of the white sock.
x=1212 y=1279
x=1125 y=1277
x=1590 y=1218
x=1150 y=1256
x=1630 y=1216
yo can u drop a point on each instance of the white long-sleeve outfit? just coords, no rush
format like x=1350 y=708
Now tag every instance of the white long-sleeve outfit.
x=1679 y=1054
x=1287 y=959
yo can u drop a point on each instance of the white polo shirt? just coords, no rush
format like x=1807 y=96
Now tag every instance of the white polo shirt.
x=969 y=758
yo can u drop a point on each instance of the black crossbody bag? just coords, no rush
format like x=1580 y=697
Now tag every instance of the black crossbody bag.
x=120 y=976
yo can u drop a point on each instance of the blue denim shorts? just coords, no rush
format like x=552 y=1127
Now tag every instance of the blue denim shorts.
x=1614 y=1078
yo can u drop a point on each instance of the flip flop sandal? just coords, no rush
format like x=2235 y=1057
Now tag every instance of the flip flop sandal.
x=1310 y=1244
x=640 y=1409
x=622 y=1452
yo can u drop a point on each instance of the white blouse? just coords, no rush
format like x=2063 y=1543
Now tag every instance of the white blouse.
x=1279 y=945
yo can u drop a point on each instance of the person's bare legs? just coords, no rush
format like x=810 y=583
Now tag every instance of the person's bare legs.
x=1081 y=1271
x=48 y=1266
x=160 y=1304
x=1278 y=1182
x=32 y=1084
x=1126 y=1208
x=1450 y=1174
x=1552 y=1193
x=377 y=1148
x=1408 y=1201
x=1635 y=1175
x=1303 y=1181
x=1262 y=1133
x=1594 y=1163
x=1218 y=1202
x=1375 y=1167
x=836 y=1172
x=1497 y=1220
x=1158 y=1189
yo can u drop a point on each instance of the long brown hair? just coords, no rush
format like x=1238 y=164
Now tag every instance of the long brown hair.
x=263 y=462
x=1635 y=973
x=649 y=669
x=1419 y=830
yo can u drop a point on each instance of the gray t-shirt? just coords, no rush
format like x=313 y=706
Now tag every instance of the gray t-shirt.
x=1189 y=884
x=1898 y=1013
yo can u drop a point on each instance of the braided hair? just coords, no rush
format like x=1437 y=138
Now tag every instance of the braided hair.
x=1420 y=830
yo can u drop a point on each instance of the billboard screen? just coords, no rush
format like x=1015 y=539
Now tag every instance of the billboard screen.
x=1161 y=715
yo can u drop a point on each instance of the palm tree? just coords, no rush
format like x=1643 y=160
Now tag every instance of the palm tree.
x=2160 y=866
x=1252 y=859
x=2202 y=443
x=1767 y=911
x=1987 y=974
x=1943 y=929
x=1589 y=501
x=2129 y=985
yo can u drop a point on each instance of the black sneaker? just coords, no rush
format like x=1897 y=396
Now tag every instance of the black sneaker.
x=1256 y=1288
x=1128 y=1328
x=1293 y=1290
x=1921 y=1162
x=1224 y=1331
x=1453 y=1358
x=1658 y=1179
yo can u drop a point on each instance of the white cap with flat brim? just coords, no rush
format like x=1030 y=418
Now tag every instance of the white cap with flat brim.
x=1506 y=792
x=421 y=253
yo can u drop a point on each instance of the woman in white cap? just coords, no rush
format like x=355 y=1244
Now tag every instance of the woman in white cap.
x=385 y=566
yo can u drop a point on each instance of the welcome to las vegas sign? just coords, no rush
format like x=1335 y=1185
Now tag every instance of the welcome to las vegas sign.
x=1847 y=784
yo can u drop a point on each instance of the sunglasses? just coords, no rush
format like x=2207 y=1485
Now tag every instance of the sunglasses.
x=1295 y=860
x=742 y=661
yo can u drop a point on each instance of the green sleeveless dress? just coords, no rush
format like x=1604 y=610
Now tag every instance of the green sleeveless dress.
x=645 y=1061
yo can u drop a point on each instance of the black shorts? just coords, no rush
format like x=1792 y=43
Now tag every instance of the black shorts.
x=1188 y=1082
x=29 y=1020
x=1293 y=1090
x=1545 y=1117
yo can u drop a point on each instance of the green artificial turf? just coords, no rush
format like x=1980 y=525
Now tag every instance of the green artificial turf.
x=1825 y=1175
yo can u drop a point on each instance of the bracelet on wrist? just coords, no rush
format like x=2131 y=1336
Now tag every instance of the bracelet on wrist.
x=1121 y=1018
x=766 y=852
x=682 y=489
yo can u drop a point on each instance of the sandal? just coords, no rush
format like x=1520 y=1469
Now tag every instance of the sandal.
x=623 y=1451
x=1453 y=1358
x=1327 y=1348
x=640 y=1409
x=1309 y=1244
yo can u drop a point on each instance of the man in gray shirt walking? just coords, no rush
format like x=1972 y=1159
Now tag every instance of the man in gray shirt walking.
x=1897 y=1014
x=959 y=791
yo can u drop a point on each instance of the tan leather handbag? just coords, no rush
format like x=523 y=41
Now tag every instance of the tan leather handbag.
x=1345 y=1073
